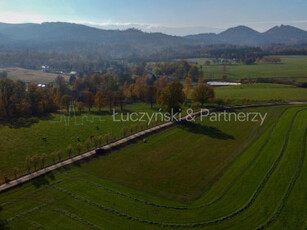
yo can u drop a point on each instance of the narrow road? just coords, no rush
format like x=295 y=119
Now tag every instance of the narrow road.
x=118 y=143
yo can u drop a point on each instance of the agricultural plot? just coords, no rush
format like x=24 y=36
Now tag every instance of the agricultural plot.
x=290 y=68
x=28 y=137
x=28 y=75
x=242 y=177
x=262 y=92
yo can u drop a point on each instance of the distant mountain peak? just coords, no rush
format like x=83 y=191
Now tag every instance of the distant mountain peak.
x=240 y=29
x=67 y=37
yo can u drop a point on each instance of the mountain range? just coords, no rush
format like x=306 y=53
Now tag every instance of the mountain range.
x=242 y=35
x=69 y=37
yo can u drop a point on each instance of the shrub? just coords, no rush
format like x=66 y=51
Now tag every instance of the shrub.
x=79 y=147
x=100 y=140
x=28 y=160
x=96 y=141
x=43 y=159
x=227 y=100
x=69 y=150
x=107 y=137
x=88 y=144
x=16 y=170
x=59 y=154
x=53 y=156
x=37 y=159
x=125 y=131
x=131 y=129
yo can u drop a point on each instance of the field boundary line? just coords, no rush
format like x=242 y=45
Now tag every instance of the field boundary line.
x=200 y=223
x=116 y=143
x=289 y=189
x=74 y=217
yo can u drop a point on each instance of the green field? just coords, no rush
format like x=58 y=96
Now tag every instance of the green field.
x=203 y=175
x=28 y=75
x=262 y=92
x=21 y=139
x=290 y=68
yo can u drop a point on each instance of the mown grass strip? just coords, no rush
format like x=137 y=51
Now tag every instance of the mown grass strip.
x=33 y=224
x=205 y=223
x=25 y=195
x=74 y=217
x=289 y=189
x=250 y=162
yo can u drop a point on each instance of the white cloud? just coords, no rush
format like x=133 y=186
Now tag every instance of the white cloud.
x=146 y=27
x=15 y=17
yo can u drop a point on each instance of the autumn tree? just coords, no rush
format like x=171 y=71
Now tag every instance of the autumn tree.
x=34 y=97
x=151 y=94
x=110 y=99
x=7 y=91
x=202 y=93
x=60 y=83
x=90 y=100
x=88 y=144
x=120 y=96
x=69 y=150
x=139 y=88
x=16 y=170
x=99 y=100
x=182 y=69
x=194 y=73
x=138 y=70
x=172 y=96
x=161 y=83
x=187 y=87
x=66 y=100
x=80 y=106
x=35 y=161
x=43 y=159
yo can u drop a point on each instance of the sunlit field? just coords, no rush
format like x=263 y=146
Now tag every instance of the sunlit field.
x=237 y=170
x=290 y=68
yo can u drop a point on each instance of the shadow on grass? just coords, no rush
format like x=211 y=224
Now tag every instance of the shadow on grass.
x=26 y=122
x=43 y=180
x=212 y=132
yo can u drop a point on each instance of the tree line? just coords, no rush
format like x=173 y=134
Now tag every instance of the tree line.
x=18 y=99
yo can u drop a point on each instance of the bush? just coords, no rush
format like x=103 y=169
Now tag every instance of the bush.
x=59 y=154
x=79 y=148
x=107 y=137
x=88 y=144
x=125 y=131
x=69 y=150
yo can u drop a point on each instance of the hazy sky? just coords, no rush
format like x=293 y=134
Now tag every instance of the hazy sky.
x=169 y=16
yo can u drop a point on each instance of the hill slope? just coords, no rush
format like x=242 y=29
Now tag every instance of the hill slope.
x=70 y=37
x=242 y=35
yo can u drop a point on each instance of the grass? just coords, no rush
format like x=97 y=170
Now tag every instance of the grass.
x=17 y=141
x=291 y=68
x=28 y=75
x=262 y=92
x=260 y=174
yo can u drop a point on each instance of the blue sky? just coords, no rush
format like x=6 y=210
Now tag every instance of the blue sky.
x=178 y=17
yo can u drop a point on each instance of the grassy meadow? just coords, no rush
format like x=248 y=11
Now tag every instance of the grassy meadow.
x=262 y=92
x=204 y=175
x=290 y=68
x=25 y=137
x=28 y=75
